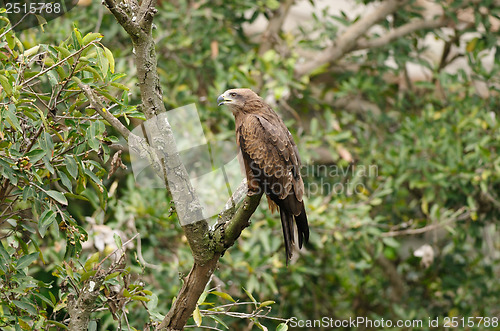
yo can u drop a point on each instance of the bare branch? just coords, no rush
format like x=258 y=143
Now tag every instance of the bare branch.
x=348 y=40
x=401 y=32
x=268 y=37
x=96 y=104
x=460 y=215
x=57 y=64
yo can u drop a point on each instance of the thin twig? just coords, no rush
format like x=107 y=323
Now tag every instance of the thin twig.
x=347 y=41
x=116 y=250
x=97 y=105
x=431 y=227
x=401 y=32
x=58 y=63
x=13 y=26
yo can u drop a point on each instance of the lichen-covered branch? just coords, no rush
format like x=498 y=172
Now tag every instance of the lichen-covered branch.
x=79 y=308
x=194 y=284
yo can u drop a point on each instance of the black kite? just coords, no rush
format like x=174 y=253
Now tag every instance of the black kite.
x=271 y=160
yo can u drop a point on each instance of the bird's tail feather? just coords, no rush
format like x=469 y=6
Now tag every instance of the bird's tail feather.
x=302 y=227
x=287 y=225
x=288 y=208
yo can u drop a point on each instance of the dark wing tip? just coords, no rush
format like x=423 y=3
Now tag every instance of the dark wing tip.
x=302 y=227
x=287 y=225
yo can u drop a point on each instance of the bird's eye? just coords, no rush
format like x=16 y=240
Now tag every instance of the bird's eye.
x=232 y=94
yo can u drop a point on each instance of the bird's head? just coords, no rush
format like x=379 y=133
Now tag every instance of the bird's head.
x=236 y=99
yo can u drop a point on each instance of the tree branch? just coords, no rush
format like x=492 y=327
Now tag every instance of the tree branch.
x=401 y=32
x=96 y=104
x=146 y=14
x=194 y=284
x=459 y=215
x=348 y=40
x=206 y=246
x=123 y=18
x=268 y=37
x=79 y=309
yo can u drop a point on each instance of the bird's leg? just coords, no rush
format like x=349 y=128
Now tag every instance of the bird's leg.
x=253 y=192
x=253 y=184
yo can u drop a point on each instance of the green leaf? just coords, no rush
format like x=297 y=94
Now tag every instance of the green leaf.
x=223 y=295
x=35 y=155
x=250 y=296
x=77 y=38
x=270 y=282
x=102 y=62
x=260 y=326
x=48 y=165
x=87 y=275
x=267 y=303
x=64 y=53
x=118 y=240
x=11 y=41
x=10 y=112
x=120 y=86
x=26 y=260
x=391 y=242
x=47 y=144
x=45 y=221
x=90 y=37
x=58 y=196
x=153 y=302
x=93 y=176
x=282 y=327
x=139 y=298
x=197 y=316
x=92 y=261
x=58 y=324
x=21 y=242
x=71 y=166
x=112 y=275
x=34 y=242
x=22 y=324
x=51 y=75
x=44 y=299
x=218 y=320
x=471 y=45
x=110 y=58
x=6 y=85
x=25 y=306
x=65 y=180
x=32 y=51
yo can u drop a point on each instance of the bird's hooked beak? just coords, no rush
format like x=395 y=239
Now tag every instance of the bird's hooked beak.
x=222 y=99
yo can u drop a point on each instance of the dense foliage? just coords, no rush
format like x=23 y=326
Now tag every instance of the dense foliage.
x=403 y=175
